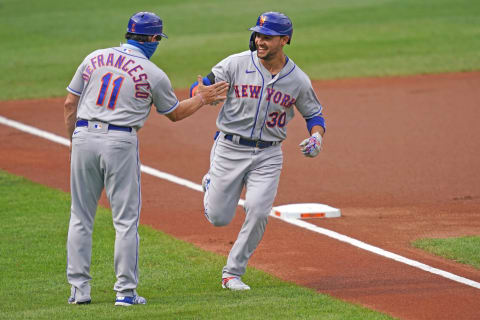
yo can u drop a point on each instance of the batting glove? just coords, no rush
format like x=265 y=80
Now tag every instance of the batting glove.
x=310 y=147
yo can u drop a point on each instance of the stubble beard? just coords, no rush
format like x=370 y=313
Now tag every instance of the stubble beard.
x=267 y=55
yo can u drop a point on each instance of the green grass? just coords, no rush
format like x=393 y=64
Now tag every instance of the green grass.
x=179 y=280
x=463 y=250
x=44 y=41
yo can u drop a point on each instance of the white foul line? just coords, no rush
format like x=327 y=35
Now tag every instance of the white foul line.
x=296 y=222
x=34 y=131
x=381 y=252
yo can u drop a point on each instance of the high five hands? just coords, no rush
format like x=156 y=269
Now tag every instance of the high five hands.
x=212 y=94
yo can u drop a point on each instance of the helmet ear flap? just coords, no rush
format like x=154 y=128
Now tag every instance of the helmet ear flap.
x=251 y=44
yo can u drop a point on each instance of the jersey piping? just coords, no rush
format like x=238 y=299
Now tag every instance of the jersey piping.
x=261 y=95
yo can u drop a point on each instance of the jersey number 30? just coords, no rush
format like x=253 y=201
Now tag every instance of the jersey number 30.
x=277 y=119
x=117 y=84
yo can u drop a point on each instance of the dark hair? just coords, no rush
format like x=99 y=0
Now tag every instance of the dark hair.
x=140 y=37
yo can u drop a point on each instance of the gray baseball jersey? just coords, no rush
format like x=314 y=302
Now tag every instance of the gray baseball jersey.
x=118 y=86
x=259 y=106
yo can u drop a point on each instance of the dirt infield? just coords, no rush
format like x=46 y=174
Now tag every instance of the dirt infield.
x=401 y=160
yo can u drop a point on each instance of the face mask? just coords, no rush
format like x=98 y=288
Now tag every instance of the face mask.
x=148 y=48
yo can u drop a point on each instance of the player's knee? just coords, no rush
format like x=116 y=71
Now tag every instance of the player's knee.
x=218 y=219
x=220 y=214
x=259 y=217
x=258 y=212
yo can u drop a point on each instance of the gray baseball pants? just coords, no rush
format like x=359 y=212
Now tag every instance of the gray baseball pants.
x=104 y=158
x=233 y=166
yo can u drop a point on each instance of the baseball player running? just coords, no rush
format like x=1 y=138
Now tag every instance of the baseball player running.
x=108 y=101
x=265 y=86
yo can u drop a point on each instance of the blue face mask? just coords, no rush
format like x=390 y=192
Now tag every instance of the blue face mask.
x=148 y=48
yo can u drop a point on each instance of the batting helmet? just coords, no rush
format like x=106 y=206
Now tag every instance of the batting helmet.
x=146 y=23
x=273 y=24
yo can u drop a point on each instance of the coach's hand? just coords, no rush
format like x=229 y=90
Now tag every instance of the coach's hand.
x=312 y=146
x=212 y=94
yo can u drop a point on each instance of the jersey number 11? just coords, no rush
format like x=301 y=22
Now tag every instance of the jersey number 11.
x=117 y=84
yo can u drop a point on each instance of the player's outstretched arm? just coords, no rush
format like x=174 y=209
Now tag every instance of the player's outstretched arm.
x=204 y=95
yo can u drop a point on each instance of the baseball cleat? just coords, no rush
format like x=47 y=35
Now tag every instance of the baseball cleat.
x=130 y=301
x=72 y=300
x=234 y=283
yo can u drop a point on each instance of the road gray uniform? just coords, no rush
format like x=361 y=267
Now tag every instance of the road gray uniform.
x=117 y=87
x=258 y=107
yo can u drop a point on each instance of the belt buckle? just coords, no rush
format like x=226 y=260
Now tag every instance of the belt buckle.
x=260 y=144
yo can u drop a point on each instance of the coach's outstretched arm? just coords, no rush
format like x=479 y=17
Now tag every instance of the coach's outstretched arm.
x=204 y=95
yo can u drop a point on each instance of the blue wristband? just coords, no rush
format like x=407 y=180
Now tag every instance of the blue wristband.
x=315 y=121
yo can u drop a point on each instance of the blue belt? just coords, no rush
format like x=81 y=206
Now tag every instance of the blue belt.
x=251 y=143
x=84 y=123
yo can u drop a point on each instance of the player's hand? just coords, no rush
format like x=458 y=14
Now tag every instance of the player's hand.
x=212 y=94
x=312 y=146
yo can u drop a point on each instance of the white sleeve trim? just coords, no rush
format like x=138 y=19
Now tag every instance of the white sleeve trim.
x=169 y=110
x=73 y=91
